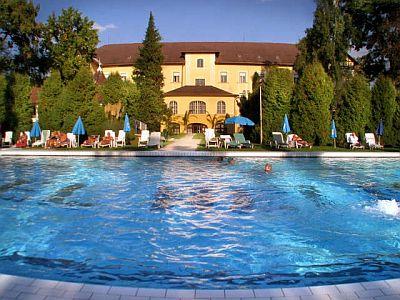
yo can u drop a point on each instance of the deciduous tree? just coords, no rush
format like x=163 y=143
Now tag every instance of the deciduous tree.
x=23 y=107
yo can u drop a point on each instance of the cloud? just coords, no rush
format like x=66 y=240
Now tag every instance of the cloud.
x=102 y=28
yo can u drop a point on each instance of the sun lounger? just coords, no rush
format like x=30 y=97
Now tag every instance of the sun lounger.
x=8 y=139
x=43 y=138
x=279 y=141
x=155 y=139
x=227 y=141
x=72 y=140
x=211 y=140
x=352 y=140
x=92 y=141
x=29 y=140
x=371 y=142
x=240 y=139
x=144 y=138
x=108 y=142
x=120 y=141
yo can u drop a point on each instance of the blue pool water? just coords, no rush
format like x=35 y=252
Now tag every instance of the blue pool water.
x=198 y=223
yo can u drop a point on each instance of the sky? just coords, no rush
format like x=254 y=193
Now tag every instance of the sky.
x=125 y=21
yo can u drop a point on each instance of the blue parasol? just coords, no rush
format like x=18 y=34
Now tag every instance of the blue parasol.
x=333 y=132
x=79 y=129
x=127 y=126
x=35 y=132
x=286 y=126
x=240 y=121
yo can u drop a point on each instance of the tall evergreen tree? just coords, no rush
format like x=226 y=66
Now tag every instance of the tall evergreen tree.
x=78 y=99
x=3 y=100
x=71 y=42
x=354 y=107
x=384 y=107
x=50 y=115
x=376 y=28
x=149 y=78
x=328 y=41
x=311 y=103
x=23 y=107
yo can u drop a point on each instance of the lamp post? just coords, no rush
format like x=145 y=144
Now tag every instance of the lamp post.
x=261 y=81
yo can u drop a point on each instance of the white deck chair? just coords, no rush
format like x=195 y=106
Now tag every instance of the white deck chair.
x=352 y=140
x=112 y=134
x=144 y=138
x=8 y=139
x=371 y=141
x=72 y=140
x=120 y=141
x=279 y=141
x=29 y=141
x=43 y=138
x=211 y=140
x=155 y=139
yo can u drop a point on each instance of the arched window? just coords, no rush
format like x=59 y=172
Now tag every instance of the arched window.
x=173 y=105
x=221 y=107
x=197 y=107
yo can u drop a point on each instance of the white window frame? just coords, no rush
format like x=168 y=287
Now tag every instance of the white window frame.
x=173 y=105
x=221 y=107
x=195 y=82
x=202 y=63
x=176 y=75
x=241 y=76
x=225 y=74
x=196 y=107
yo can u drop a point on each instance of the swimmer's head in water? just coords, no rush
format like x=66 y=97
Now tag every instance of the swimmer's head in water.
x=268 y=168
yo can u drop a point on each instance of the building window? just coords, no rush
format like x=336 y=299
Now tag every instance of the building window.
x=176 y=77
x=200 y=82
x=220 y=128
x=197 y=107
x=173 y=105
x=242 y=77
x=221 y=107
x=224 y=77
x=200 y=63
x=123 y=76
x=175 y=128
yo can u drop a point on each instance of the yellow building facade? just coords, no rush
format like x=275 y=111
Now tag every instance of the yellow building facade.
x=202 y=81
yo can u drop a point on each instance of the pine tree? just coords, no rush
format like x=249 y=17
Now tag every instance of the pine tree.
x=149 y=78
x=354 y=107
x=23 y=107
x=277 y=93
x=50 y=115
x=3 y=100
x=328 y=41
x=310 y=107
x=78 y=99
x=384 y=107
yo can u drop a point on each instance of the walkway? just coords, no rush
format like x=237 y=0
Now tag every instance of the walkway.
x=186 y=143
x=14 y=287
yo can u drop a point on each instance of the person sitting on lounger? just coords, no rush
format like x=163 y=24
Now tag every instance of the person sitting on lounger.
x=22 y=141
x=90 y=141
x=353 y=139
x=300 y=141
x=63 y=140
x=53 y=141
x=106 y=140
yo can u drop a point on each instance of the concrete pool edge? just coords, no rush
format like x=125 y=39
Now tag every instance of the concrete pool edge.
x=162 y=153
x=17 y=287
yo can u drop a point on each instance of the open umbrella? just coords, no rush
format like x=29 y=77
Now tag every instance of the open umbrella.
x=333 y=132
x=379 y=131
x=286 y=126
x=78 y=129
x=35 y=132
x=127 y=126
x=240 y=121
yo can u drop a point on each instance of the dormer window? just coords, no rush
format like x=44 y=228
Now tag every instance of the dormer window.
x=200 y=63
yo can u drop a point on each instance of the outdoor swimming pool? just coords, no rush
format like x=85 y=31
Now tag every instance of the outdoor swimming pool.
x=198 y=223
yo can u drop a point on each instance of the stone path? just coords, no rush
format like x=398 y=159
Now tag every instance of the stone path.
x=15 y=287
x=186 y=143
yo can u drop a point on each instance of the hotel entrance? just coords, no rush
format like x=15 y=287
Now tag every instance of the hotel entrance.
x=196 y=128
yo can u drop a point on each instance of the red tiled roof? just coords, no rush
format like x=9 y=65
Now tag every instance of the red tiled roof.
x=227 y=53
x=199 y=90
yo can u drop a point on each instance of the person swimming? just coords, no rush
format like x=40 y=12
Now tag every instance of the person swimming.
x=268 y=168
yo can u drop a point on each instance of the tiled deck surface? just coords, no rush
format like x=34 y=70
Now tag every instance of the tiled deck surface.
x=14 y=287
x=173 y=153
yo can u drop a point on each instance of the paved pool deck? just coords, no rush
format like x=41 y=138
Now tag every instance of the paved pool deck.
x=178 y=153
x=15 y=287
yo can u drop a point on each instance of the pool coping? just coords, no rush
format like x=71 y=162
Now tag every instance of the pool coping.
x=163 y=153
x=18 y=287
